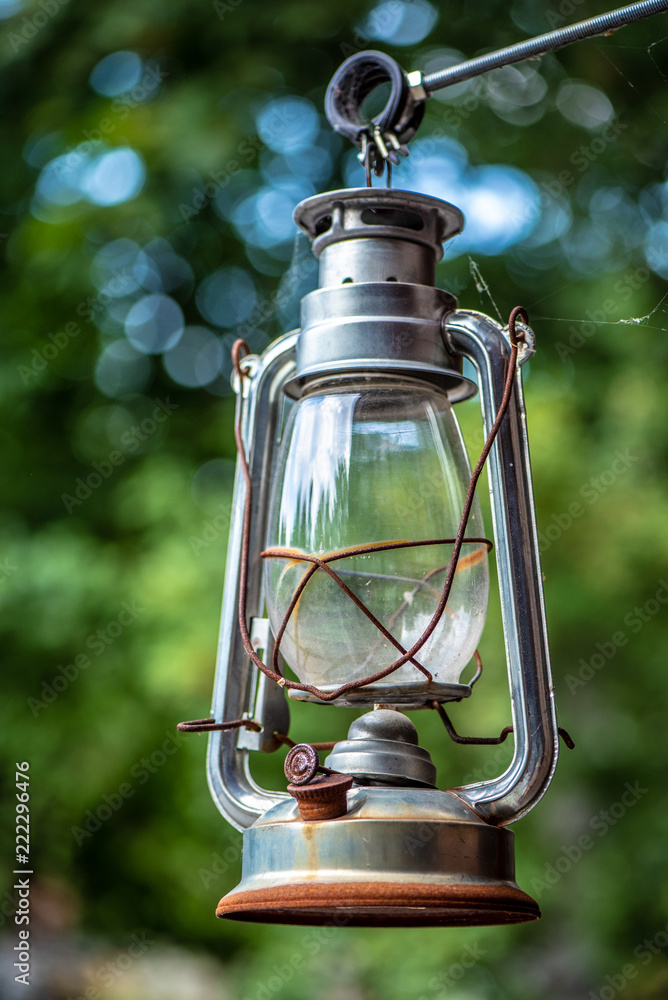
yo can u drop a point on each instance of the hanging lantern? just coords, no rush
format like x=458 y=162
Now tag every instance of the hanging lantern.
x=358 y=559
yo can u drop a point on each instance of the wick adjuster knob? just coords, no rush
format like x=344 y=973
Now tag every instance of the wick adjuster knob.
x=301 y=764
x=322 y=798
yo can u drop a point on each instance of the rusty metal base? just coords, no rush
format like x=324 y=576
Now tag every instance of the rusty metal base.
x=382 y=904
x=399 y=857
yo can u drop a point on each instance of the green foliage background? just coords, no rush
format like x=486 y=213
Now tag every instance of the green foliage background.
x=66 y=576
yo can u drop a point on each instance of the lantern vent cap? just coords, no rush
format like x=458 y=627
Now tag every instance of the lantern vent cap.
x=385 y=213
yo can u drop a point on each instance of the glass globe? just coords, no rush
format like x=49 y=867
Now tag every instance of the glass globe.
x=367 y=461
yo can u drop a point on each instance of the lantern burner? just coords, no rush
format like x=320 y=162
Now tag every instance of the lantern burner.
x=382 y=749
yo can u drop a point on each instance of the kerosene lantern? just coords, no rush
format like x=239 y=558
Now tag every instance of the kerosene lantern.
x=370 y=601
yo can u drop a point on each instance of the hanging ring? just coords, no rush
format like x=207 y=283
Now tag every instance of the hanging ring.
x=354 y=81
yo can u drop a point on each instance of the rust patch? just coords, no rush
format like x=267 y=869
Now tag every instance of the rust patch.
x=322 y=798
x=383 y=904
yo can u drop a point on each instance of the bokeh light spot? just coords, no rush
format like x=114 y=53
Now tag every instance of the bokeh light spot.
x=211 y=483
x=288 y=124
x=8 y=8
x=60 y=180
x=197 y=358
x=122 y=370
x=399 y=22
x=154 y=324
x=114 y=177
x=112 y=269
x=584 y=105
x=500 y=203
x=227 y=297
x=116 y=73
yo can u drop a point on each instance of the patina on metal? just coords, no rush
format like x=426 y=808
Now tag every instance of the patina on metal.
x=397 y=858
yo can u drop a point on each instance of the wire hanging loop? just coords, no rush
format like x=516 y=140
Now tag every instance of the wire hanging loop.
x=239 y=351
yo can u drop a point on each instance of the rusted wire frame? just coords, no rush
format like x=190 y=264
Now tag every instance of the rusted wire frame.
x=237 y=357
x=211 y=726
x=478 y=673
x=487 y=740
x=286 y=741
x=490 y=741
x=321 y=563
x=419 y=585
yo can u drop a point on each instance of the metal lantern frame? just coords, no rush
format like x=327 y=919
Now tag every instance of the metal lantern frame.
x=245 y=695
x=336 y=845
x=240 y=693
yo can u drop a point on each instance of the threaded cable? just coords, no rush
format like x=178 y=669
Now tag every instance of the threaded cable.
x=542 y=43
